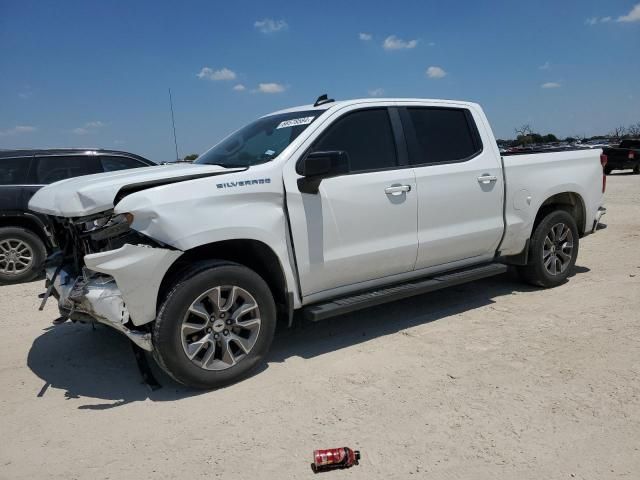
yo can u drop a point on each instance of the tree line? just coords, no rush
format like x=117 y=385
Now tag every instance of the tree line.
x=526 y=136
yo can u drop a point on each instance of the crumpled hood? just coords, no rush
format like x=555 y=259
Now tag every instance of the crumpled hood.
x=89 y=194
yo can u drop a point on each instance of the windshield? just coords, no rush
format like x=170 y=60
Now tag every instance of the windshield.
x=260 y=141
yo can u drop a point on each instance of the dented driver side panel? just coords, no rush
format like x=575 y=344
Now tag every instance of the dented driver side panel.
x=241 y=205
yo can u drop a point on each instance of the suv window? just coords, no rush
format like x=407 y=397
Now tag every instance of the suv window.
x=442 y=135
x=111 y=164
x=367 y=137
x=13 y=171
x=54 y=168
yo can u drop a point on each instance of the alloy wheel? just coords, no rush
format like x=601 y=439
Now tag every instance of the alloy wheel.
x=16 y=256
x=220 y=327
x=557 y=250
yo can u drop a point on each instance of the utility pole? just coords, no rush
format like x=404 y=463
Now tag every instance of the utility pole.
x=173 y=123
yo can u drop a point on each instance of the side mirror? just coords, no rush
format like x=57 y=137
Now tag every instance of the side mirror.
x=317 y=166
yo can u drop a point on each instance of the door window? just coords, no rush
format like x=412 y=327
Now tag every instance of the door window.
x=366 y=136
x=13 y=171
x=112 y=164
x=55 y=168
x=442 y=135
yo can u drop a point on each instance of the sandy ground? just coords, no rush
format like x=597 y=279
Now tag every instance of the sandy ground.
x=489 y=380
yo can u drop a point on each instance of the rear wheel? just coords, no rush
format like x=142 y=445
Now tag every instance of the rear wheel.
x=553 y=250
x=608 y=170
x=636 y=169
x=22 y=254
x=214 y=326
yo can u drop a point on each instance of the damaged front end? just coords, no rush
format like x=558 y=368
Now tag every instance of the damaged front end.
x=106 y=272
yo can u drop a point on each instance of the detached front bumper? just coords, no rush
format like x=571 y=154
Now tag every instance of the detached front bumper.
x=118 y=288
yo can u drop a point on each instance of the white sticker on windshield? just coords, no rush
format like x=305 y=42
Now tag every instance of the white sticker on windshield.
x=295 y=122
x=269 y=152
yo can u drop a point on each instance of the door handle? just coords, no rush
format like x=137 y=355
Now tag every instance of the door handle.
x=396 y=190
x=487 y=179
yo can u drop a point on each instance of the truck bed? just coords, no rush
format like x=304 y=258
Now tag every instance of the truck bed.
x=532 y=178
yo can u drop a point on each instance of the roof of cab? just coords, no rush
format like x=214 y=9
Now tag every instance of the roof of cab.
x=356 y=101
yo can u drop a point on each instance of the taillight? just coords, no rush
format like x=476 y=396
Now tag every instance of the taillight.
x=603 y=162
x=631 y=156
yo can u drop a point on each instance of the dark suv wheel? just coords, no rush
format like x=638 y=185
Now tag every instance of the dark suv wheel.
x=22 y=254
x=553 y=250
x=214 y=326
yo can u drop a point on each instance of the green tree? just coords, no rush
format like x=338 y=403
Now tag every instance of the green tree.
x=191 y=158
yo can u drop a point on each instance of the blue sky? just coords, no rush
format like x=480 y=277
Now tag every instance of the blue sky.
x=84 y=73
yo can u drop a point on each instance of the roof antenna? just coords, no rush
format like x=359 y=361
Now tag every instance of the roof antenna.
x=173 y=123
x=322 y=99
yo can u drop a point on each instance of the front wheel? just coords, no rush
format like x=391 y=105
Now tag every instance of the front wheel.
x=553 y=250
x=214 y=326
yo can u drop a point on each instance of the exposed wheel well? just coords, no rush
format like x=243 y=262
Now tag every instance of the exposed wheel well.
x=570 y=202
x=26 y=223
x=253 y=254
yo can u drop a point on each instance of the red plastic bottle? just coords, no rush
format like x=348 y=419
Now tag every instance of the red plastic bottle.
x=331 y=458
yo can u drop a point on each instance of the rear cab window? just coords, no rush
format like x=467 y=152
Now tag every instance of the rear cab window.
x=437 y=135
x=14 y=171
x=60 y=167
x=366 y=136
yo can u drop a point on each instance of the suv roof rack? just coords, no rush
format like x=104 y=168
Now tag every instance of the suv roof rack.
x=322 y=99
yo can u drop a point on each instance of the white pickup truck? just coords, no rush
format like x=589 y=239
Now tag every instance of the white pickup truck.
x=324 y=208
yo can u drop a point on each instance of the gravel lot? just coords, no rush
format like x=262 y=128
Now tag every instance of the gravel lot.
x=489 y=380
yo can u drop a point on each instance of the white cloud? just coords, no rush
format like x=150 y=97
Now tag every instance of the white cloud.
x=394 y=43
x=239 y=87
x=17 y=130
x=435 y=72
x=95 y=124
x=211 y=74
x=365 y=36
x=551 y=85
x=271 y=88
x=632 y=16
x=376 y=92
x=545 y=66
x=89 y=127
x=432 y=44
x=269 y=25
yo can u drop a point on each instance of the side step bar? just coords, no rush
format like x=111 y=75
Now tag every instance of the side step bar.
x=340 y=306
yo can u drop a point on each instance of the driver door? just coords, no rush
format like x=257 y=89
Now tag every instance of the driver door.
x=361 y=226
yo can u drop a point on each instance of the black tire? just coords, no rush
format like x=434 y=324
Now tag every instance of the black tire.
x=535 y=271
x=636 y=169
x=12 y=236
x=167 y=331
x=608 y=170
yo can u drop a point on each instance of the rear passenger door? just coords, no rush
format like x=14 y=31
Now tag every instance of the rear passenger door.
x=459 y=183
x=54 y=168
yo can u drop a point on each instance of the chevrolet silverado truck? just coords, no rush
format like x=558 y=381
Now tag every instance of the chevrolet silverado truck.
x=325 y=208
